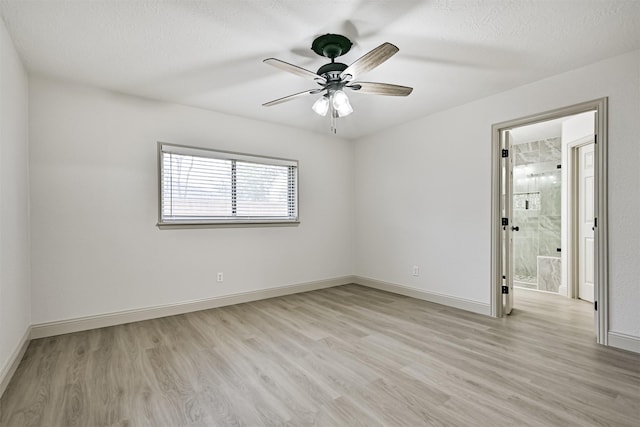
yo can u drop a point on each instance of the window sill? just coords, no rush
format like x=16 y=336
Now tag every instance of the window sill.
x=230 y=224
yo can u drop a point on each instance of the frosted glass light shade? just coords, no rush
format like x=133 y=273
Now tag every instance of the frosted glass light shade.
x=321 y=106
x=341 y=103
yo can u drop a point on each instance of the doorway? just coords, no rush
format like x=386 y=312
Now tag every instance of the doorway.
x=549 y=208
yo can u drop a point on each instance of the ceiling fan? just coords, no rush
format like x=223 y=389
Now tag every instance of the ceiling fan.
x=334 y=77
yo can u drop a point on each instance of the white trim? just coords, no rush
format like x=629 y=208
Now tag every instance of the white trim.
x=461 y=303
x=624 y=341
x=49 y=329
x=7 y=371
x=601 y=234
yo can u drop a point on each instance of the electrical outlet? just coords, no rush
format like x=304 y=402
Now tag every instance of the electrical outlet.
x=220 y=277
x=415 y=271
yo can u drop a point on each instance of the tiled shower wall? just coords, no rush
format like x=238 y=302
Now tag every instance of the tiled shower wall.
x=536 y=210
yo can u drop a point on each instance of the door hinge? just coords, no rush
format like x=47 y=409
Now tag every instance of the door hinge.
x=505 y=221
x=595 y=305
x=505 y=152
x=595 y=222
x=505 y=289
x=595 y=138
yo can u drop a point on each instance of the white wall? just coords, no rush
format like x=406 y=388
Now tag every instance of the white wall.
x=423 y=189
x=578 y=127
x=95 y=245
x=15 y=292
x=421 y=196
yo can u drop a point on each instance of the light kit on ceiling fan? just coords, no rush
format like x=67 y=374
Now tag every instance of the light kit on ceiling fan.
x=337 y=101
x=340 y=103
x=321 y=106
x=334 y=77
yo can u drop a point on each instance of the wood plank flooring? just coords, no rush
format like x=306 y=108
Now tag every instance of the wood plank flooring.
x=344 y=356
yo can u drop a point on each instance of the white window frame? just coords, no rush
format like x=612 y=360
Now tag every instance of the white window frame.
x=228 y=221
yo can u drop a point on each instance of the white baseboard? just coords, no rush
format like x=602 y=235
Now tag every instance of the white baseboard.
x=7 y=371
x=463 y=304
x=41 y=330
x=623 y=341
x=49 y=329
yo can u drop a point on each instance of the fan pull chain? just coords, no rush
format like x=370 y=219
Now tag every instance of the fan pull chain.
x=334 y=116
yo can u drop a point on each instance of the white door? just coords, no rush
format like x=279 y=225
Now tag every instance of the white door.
x=507 y=226
x=586 y=163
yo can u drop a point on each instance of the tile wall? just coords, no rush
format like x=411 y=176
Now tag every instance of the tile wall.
x=536 y=210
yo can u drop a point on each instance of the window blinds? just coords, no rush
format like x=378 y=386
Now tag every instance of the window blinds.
x=199 y=186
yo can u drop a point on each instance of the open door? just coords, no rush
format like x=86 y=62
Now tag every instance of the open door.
x=586 y=226
x=506 y=222
x=594 y=236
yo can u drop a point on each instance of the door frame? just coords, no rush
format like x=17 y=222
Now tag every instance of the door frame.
x=572 y=208
x=601 y=264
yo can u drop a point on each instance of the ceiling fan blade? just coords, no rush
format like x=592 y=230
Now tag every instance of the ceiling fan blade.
x=290 y=97
x=293 y=69
x=370 y=60
x=381 y=88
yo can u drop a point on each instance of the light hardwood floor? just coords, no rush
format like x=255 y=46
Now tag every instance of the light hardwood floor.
x=342 y=356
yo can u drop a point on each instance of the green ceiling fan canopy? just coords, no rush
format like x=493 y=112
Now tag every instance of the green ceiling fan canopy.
x=331 y=45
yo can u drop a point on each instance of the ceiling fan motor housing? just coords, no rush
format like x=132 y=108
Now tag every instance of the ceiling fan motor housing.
x=332 y=70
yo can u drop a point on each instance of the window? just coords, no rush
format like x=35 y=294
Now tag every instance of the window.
x=205 y=187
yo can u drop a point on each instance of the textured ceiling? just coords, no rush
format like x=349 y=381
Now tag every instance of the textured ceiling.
x=208 y=53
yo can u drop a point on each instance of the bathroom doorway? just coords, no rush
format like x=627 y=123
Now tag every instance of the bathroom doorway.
x=553 y=205
x=549 y=208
